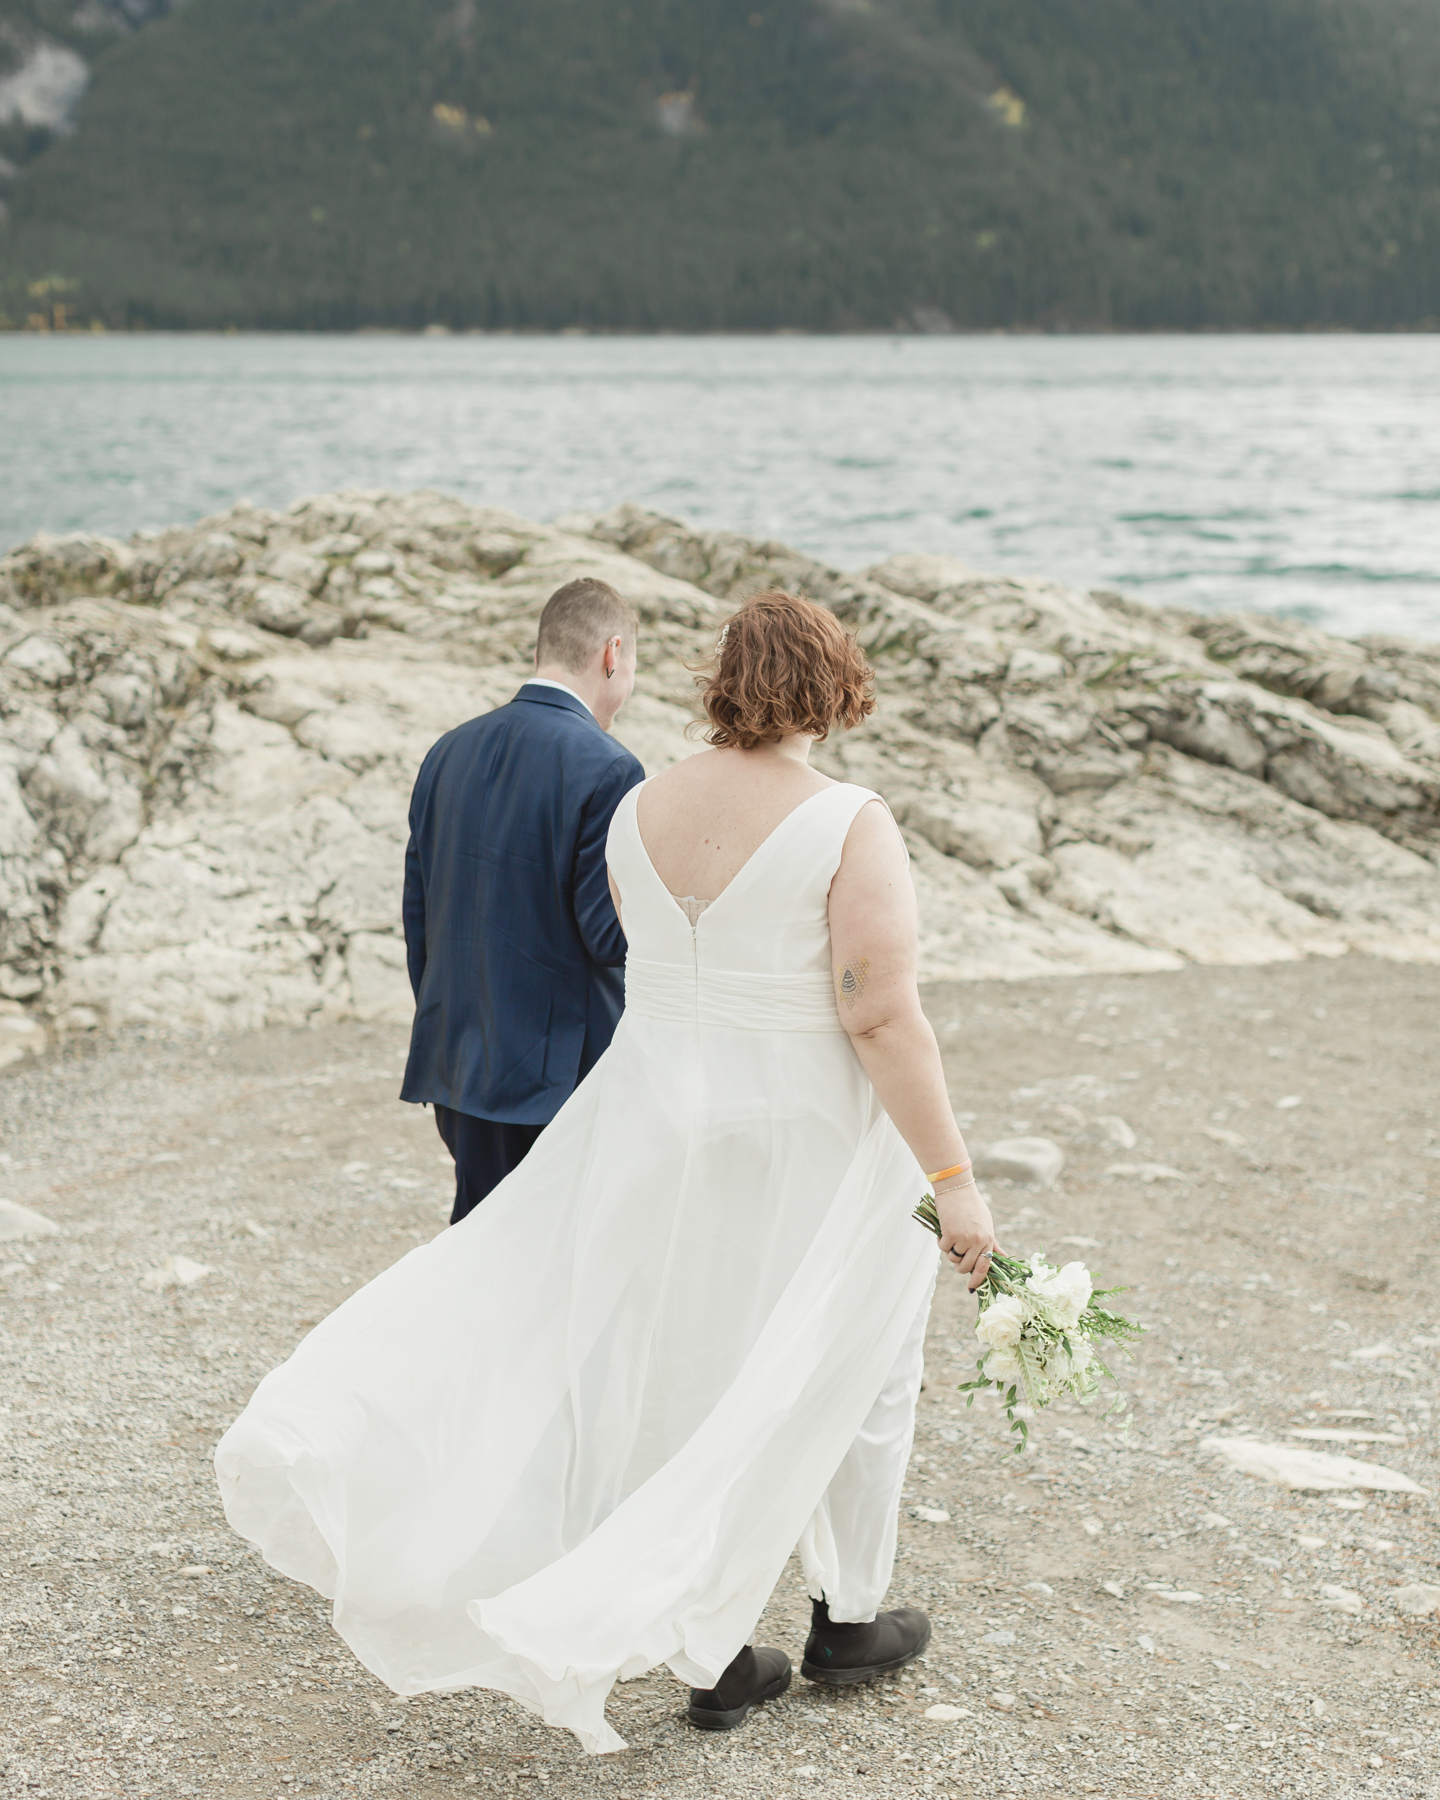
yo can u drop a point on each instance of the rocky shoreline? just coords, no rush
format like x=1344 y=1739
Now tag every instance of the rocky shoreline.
x=209 y=737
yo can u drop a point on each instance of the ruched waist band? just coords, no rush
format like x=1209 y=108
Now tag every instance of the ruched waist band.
x=744 y=1001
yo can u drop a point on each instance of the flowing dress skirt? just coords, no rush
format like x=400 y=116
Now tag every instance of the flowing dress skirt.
x=579 y=1434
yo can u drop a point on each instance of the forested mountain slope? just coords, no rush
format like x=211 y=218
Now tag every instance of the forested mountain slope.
x=698 y=164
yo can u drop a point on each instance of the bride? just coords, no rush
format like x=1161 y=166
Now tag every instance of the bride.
x=578 y=1434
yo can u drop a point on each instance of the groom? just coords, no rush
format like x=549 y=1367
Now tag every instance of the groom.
x=515 y=952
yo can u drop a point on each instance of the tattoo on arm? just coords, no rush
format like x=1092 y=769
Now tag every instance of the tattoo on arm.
x=854 y=979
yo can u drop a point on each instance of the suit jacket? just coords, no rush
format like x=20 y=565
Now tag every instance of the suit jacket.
x=515 y=953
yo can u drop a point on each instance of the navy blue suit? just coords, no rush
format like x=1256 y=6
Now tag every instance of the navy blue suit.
x=515 y=953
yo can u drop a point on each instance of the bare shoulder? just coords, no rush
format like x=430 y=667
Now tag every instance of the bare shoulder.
x=718 y=776
x=874 y=839
x=679 y=788
x=872 y=904
x=681 y=774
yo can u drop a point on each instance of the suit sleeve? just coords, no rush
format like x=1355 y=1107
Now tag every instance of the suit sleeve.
x=594 y=910
x=412 y=911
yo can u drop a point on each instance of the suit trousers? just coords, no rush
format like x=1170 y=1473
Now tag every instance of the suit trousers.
x=847 y=1550
x=485 y=1151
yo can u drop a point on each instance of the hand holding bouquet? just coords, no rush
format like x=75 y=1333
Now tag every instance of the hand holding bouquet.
x=1038 y=1328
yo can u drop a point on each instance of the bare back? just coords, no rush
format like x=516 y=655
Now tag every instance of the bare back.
x=702 y=821
x=704 y=818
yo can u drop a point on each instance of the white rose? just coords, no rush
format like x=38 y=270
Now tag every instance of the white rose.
x=1002 y=1366
x=1001 y=1323
x=1066 y=1365
x=1064 y=1295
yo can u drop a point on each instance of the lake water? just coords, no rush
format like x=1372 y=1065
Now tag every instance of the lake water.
x=1290 y=474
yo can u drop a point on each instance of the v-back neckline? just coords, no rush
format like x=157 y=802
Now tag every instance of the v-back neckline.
x=744 y=868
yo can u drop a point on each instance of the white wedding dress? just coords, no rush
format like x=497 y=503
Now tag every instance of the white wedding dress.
x=578 y=1434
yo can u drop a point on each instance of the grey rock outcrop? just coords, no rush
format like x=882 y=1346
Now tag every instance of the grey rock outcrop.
x=18 y=1221
x=1418 y=1599
x=207 y=739
x=1216 y=789
x=1036 y=1161
x=176 y=1271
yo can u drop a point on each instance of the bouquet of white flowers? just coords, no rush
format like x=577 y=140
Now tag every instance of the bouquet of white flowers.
x=1039 y=1326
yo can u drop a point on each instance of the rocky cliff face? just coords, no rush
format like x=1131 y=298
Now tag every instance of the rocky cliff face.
x=45 y=47
x=209 y=737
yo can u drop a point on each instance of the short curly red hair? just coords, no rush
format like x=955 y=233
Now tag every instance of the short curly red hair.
x=784 y=665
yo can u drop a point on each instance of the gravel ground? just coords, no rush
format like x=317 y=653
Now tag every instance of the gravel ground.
x=145 y=1651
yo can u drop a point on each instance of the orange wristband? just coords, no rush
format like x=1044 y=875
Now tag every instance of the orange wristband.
x=943 y=1174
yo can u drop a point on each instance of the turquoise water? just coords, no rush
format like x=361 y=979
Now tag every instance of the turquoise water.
x=1290 y=474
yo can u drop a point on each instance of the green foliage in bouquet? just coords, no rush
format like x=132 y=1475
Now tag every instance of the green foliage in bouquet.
x=1040 y=1326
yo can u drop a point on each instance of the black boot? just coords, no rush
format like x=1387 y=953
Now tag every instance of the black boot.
x=755 y=1675
x=841 y=1654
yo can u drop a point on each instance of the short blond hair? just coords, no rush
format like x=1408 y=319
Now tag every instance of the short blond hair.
x=581 y=618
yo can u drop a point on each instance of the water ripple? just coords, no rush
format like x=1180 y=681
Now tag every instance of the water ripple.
x=1308 y=463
